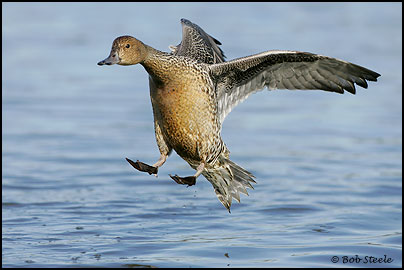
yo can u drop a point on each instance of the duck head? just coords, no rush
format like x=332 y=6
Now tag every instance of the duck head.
x=126 y=50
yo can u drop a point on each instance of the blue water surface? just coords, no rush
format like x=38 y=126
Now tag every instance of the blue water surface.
x=328 y=166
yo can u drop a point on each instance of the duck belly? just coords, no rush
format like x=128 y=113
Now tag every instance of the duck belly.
x=187 y=119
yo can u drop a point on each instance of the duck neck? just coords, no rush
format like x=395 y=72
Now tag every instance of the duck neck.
x=155 y=63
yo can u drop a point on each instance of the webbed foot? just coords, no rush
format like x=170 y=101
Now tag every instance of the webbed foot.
x=189 y=180
x=143 y=167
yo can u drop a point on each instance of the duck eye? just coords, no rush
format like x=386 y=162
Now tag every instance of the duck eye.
x=127 y=46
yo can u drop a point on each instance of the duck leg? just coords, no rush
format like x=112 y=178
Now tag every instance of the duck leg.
x=189 y=180
x=143 y=167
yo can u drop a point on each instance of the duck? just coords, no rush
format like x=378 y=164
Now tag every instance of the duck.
x=193 y=89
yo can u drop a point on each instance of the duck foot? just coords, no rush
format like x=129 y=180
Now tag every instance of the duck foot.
x=189 y=180
x=143 y=167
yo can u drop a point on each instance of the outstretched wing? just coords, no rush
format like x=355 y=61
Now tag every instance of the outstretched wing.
x=198 y=45
x=237 y=79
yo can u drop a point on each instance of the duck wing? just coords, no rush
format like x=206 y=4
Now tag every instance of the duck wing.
x=198 y=45
x=237 y=79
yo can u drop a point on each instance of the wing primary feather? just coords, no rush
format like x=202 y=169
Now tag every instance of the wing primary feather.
x=239 y=78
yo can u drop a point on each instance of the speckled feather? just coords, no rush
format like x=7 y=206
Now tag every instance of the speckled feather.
x=184 y=107
x=198 y=45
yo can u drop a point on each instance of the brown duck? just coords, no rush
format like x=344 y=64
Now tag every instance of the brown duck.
x=192 y=89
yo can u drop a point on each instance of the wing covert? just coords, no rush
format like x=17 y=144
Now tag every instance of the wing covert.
x=198 y=45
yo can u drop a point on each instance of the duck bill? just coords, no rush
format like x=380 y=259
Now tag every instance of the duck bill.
x=110 y=60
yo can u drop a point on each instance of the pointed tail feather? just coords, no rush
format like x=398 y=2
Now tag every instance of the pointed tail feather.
x=228 y=180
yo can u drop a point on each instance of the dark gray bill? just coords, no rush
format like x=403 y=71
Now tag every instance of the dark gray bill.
x=110 y=60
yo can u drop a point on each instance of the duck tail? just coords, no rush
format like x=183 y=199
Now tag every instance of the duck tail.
x=228 y=179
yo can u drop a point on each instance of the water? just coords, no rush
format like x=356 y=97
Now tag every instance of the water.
x=328 y=166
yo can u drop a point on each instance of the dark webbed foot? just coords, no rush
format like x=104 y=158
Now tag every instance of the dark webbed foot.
x=189 y=180
x=143 y=167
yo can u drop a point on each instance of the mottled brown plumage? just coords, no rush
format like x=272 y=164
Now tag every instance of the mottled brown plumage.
x=192 y=89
